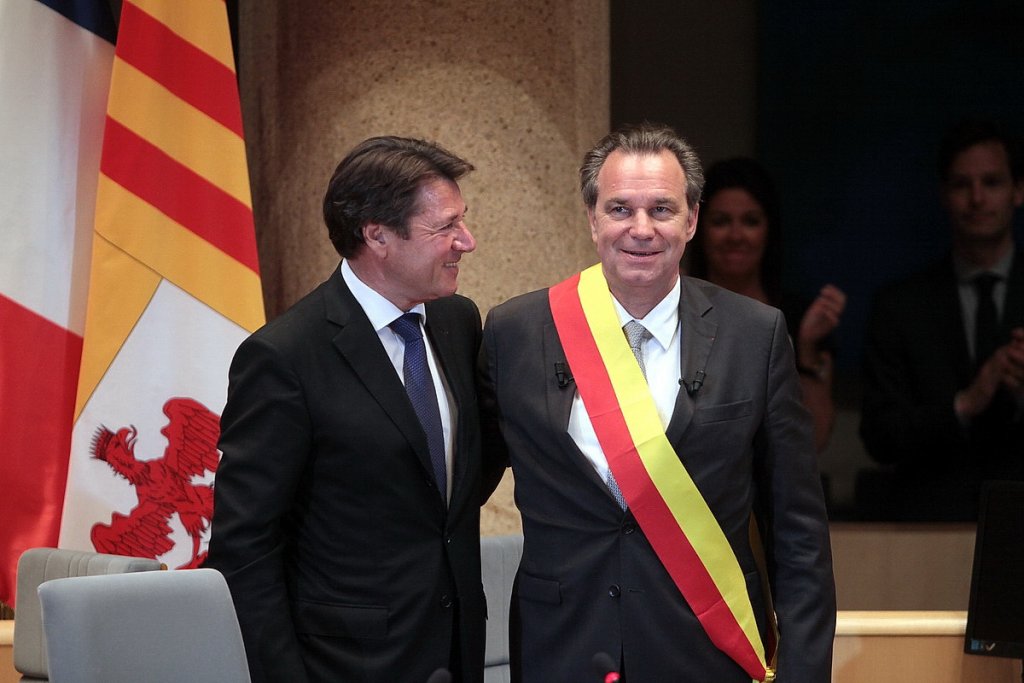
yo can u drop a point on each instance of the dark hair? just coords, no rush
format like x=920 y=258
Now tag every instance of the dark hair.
x=970 y=132
x=377 y=182
x=646 y=138
x=744 y=174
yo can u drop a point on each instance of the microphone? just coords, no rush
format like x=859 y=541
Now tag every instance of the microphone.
x=442 y=675
x=606 y=667
x=694 y=386
x=562 y=375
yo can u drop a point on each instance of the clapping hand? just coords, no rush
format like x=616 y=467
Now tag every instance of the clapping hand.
x=821 y=318
x=1005 y=367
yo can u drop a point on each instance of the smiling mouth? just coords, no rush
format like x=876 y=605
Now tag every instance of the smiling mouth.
x=641 y=253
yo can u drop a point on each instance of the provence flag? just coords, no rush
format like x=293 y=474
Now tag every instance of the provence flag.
x=174 y=288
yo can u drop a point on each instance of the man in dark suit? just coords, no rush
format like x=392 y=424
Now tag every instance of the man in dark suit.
x=627 y=455
x=944 y=350
x=346 y=522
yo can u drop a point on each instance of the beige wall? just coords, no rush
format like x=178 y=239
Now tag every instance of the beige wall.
x=519 y=89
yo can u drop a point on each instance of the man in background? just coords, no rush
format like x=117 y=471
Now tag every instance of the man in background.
x=646 y=417
x=944 y=353
x=346 y=515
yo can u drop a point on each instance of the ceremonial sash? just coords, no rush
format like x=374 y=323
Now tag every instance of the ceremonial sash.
x=666 y=503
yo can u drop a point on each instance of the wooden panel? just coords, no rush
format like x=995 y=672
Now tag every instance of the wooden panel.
x=896 y=647
x=881 y=647
x=902 y=566
x=7 y=672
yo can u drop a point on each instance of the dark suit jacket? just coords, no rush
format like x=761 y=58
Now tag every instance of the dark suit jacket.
x=589 y=580
x=915 y=361
x=343 y=562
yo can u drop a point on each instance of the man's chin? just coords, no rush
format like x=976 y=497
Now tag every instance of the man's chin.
x=647 y=277
x=447 y=290
x=984 y=232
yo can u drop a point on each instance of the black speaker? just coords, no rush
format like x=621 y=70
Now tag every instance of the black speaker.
x=995 y=614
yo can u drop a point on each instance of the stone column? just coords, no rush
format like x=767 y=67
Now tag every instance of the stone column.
x=520 y=89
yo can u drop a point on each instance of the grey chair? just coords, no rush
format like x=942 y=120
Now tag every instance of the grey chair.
x=37 y=565
x=158 y=627
x=499 y=561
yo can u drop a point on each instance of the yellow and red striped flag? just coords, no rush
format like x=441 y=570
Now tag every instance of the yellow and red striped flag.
x=174 y=288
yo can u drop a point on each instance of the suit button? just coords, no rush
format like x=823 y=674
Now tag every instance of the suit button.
x=446 y=601
x=448 y=540
x=628 y=528
x=614 y=591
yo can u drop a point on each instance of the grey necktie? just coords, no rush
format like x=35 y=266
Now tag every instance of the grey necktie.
x=636 y=335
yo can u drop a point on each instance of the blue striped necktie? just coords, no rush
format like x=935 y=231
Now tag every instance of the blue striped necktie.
x=420 y=387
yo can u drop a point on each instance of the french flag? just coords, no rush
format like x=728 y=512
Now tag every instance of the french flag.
x=55 y=66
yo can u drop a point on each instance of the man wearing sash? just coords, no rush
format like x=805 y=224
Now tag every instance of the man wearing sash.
x=648 y=419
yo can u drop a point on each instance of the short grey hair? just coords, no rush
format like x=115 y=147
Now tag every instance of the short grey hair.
x=645 y=138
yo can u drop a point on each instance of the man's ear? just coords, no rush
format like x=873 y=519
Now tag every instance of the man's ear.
x=691 y=228
x=376 y=237
x=592 y=220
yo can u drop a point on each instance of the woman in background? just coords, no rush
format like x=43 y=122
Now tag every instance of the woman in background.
x=738 y=246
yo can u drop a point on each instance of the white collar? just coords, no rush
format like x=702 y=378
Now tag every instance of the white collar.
x=379 y=310
x=966 y=272
x=662 y=321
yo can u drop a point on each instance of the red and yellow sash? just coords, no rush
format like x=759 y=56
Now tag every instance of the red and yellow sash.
x=671 y=511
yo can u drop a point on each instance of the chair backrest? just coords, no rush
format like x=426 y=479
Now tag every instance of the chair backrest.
x=499 y=562
x=37 y=565
x=158 y=627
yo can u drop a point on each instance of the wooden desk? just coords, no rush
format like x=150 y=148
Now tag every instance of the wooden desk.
x=7 y=672
x=900 y=647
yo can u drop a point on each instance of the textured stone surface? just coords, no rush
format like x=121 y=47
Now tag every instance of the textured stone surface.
x=520 y=89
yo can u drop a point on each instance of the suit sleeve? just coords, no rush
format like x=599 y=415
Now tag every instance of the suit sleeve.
x=265 y=440
x=495 y=452
x=797 y=542
x=898 y=423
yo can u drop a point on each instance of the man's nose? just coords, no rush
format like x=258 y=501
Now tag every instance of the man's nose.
x=642 y=225
x=977 y=192
x=465 y=240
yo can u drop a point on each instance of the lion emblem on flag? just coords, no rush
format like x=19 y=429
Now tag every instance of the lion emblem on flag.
x=164 y=486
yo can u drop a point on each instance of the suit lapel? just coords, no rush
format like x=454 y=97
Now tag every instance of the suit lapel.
x=698 y=331
x=1013 y=311
x=458 y=384
x=560 y=390
x=697 y=335
x=951 y=324
x=359 y=345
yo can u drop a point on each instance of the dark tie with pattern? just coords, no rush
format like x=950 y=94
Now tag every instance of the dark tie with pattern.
x=420 y=387
x=636 y=335
x=986 y=324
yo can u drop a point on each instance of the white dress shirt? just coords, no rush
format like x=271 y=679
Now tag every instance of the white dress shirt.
x=382 y=313
x=663 y=365
x=965 y=274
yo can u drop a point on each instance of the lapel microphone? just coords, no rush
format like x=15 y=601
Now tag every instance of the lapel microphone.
x=693 y=387
x=562 y=375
